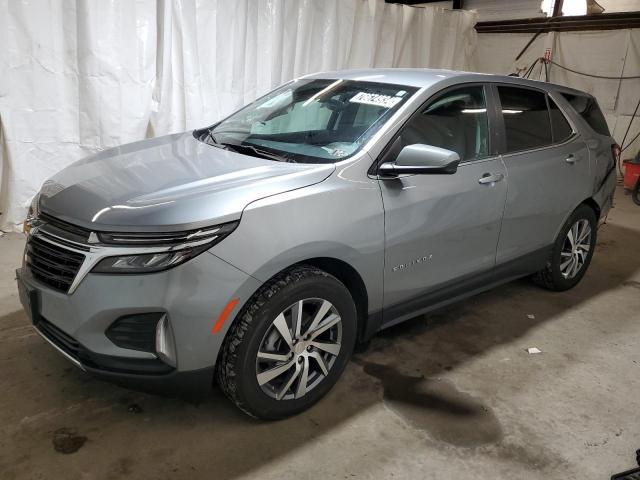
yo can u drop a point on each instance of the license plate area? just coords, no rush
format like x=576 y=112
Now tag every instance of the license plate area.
x=29 y=298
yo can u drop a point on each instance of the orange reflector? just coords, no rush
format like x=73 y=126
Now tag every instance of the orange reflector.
x=223 y=316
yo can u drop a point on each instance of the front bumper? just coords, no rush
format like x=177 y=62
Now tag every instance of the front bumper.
x=192 y=295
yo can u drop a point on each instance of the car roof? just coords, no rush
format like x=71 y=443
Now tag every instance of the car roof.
x=427 y=77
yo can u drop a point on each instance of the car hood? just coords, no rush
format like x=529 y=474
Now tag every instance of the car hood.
x=170 y=183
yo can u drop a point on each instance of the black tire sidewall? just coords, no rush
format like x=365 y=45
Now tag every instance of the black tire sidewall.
x=582 y=212
x=315 y=286
x=635 y=193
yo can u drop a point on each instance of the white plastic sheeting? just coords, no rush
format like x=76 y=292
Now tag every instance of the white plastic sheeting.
x=80 y=76
x=611 y=53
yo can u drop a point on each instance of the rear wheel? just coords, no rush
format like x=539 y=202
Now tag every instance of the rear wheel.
x=572 y=251
x=289 y=345
x=635 y=194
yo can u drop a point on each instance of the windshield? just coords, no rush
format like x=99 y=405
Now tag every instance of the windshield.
x=311 y=120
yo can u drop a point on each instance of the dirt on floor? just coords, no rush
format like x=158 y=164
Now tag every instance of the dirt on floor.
x=454 y=394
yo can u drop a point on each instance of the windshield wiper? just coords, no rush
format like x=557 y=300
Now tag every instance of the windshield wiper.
x=213 y=141
x=256 y=152
x=246 y=149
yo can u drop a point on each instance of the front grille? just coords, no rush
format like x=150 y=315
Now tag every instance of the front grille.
x=51 y=264
x=64 y=229
x=65 y=342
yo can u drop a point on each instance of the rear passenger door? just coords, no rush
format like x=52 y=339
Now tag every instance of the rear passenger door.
x=547 y=166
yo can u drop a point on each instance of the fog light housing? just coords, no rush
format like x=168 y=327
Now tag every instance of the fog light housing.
x=145 y=332
x=136 y=331
x=165 y=343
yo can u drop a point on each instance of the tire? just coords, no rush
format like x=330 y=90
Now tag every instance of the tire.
x=259 y=328
x=558 y=275
x=635 y=194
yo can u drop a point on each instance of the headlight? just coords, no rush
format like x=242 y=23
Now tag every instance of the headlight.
x=151 y=262
x=160 y=251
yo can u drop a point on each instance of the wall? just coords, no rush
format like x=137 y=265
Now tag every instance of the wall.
x=613 y=6
x=81 y=76
x=608 y=53
x=489 y=10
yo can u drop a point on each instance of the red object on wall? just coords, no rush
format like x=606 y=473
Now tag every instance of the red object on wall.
x=631 y=173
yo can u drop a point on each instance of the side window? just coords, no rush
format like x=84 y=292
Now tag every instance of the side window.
x=559 y=124
x=456 y=120
x=588 y=109
x=526 y=118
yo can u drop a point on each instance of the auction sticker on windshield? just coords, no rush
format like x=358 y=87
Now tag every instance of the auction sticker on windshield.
x=376 y=99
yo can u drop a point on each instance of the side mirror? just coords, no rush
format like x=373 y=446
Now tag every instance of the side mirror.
x=422 y=159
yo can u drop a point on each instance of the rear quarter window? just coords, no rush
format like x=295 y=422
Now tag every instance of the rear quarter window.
x=588 y=108
x=559 y=125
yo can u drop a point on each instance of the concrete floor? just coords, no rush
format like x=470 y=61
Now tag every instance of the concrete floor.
x=451 y=395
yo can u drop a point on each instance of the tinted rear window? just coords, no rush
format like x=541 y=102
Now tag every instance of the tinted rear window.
x=561 y=128
x=526 y=118
x=588 y=109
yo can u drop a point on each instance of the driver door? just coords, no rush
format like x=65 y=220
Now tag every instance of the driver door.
x=442 y=230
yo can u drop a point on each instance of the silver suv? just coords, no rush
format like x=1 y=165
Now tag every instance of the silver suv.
x=260 y=250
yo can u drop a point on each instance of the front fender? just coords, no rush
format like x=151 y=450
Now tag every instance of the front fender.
x=334 y=219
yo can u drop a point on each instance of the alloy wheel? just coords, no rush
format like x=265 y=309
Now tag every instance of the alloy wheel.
x=575 y=249
x=299 y=348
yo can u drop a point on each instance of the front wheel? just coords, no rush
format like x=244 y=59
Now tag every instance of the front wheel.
x=572 y=251
x=289 y=345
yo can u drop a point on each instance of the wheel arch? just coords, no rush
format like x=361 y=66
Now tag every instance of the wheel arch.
x=351 y=279
x=589 y=202
x=345 y=273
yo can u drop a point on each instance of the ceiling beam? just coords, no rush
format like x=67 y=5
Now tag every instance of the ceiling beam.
x=610 y=21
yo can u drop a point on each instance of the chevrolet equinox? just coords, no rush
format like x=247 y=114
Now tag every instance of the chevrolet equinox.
x=260 y=250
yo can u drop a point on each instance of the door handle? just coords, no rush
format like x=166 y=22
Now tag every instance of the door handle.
x=570 y=159
x=490 y=179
